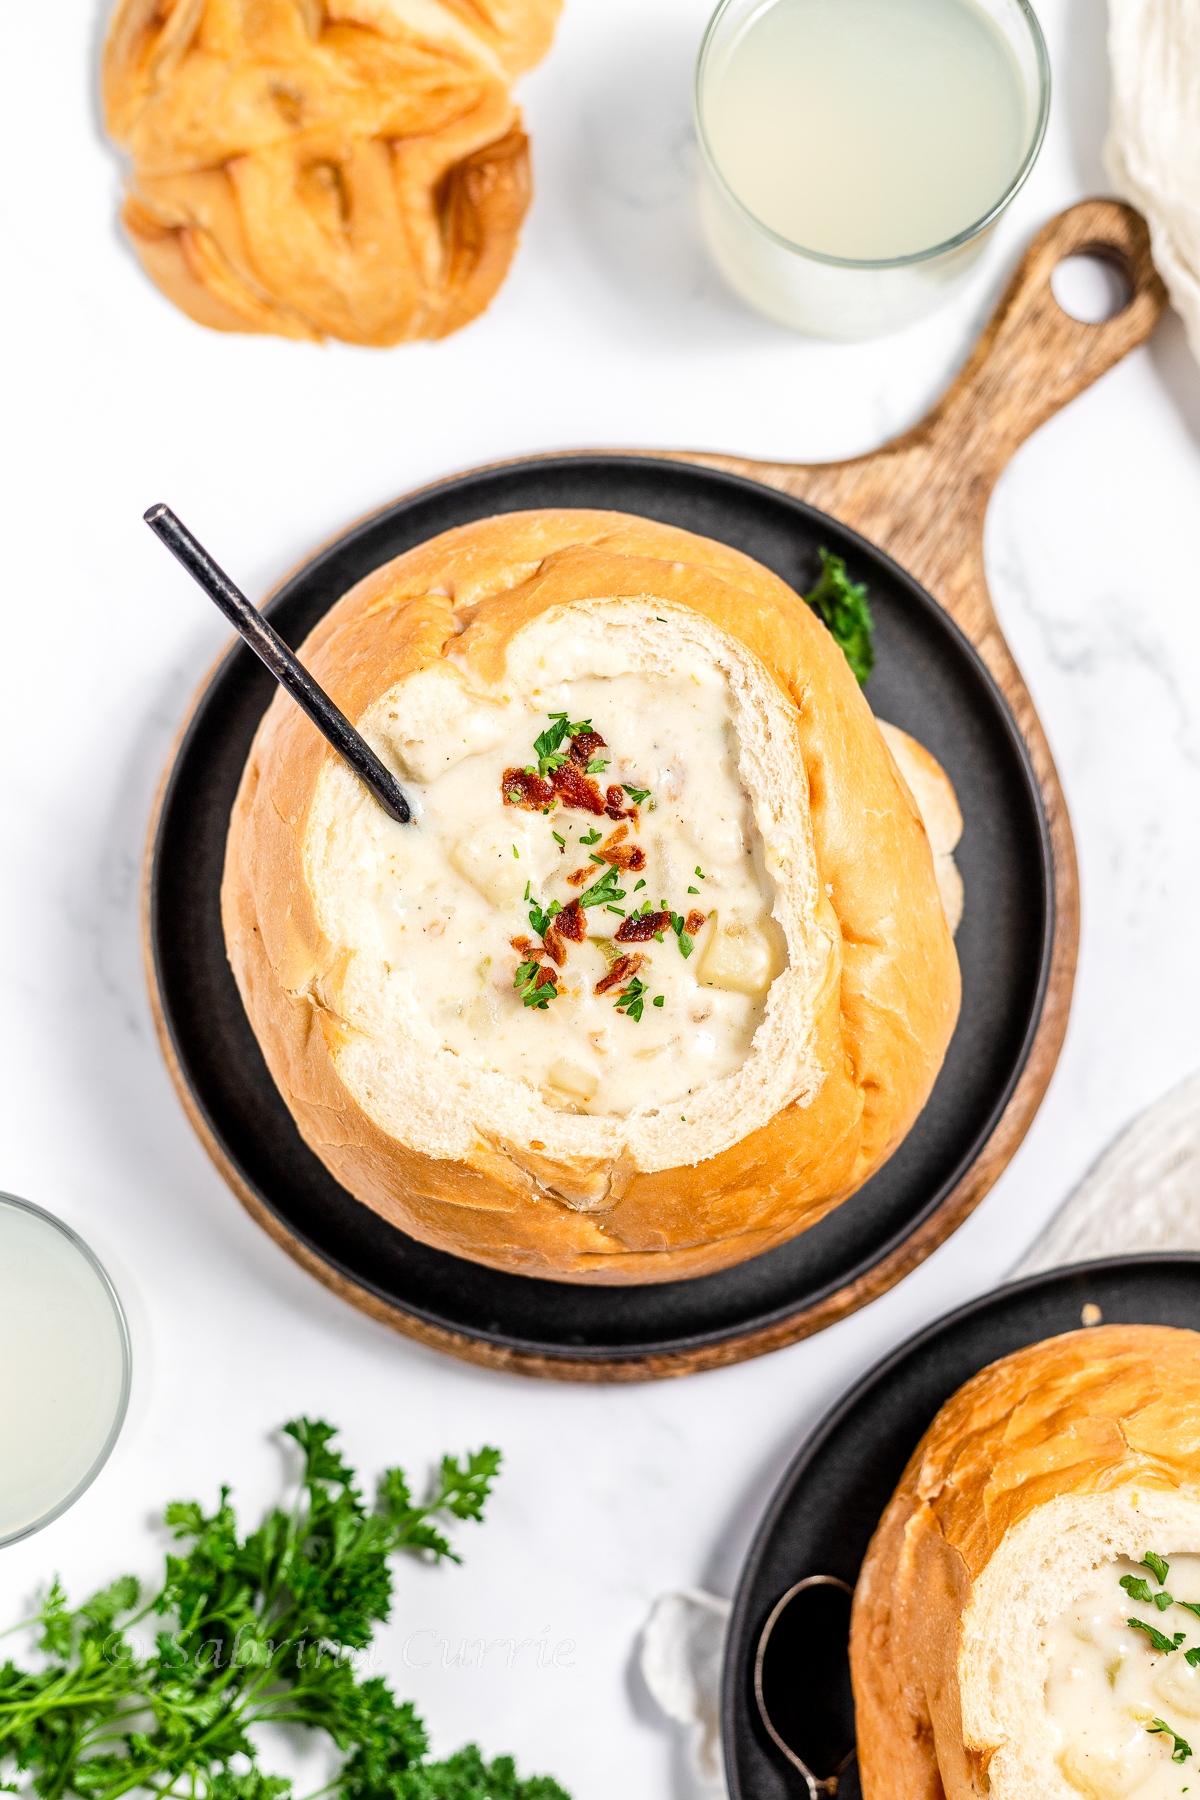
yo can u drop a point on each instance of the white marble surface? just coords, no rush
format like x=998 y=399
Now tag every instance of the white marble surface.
x=612 y=329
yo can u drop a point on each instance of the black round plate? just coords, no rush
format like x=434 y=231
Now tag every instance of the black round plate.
x=928 y=680
x=823 y=1512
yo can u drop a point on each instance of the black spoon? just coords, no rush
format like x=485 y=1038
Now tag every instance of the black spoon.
x=802 y=1684
x=270 y=648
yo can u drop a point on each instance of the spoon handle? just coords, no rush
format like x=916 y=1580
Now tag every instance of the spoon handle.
x=291 y=674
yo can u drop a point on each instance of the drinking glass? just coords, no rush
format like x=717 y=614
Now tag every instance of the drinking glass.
x=836 y=296
x=64 y=1368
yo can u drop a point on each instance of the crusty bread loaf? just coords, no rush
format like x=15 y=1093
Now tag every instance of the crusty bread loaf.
x=1047 y=1465
x=344 y=168
x=855 y=1025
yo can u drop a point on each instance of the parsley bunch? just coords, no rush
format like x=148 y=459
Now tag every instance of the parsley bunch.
x=262 y=1630
x=842 y=604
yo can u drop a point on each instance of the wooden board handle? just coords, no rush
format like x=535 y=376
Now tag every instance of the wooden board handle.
x=1033 y=357
x=922 y=497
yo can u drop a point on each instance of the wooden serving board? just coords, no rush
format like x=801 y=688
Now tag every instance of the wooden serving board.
x=921 y=499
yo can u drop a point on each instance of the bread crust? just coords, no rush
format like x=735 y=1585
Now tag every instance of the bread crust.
x=882 y=1015
x=1073 y=1451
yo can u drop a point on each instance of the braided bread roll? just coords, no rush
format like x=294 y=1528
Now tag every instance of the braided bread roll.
x=324 y=168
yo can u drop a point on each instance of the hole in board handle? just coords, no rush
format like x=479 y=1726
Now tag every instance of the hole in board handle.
x=1092 y=286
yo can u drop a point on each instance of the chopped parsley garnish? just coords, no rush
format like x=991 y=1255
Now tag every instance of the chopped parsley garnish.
x=596 y=766
x=619 y=910
x=631 y=999
x=593 y=837
x=1158 y=1638
x=686 y=945
x=692 y=890
x=546 y=745
x=514 y=851
x=639 y=884
x=639 y=796
x=1137 y=1589
x=525 y=896
x=1182 y=1749
x=843 y=609
x=1190 y=1606
x=1192 y=1656
x=561 y=841
x=700 y=873
x=604 y=891
x=533 y=991
x=541 y=920
x=658 y=999
x=1157 y=1567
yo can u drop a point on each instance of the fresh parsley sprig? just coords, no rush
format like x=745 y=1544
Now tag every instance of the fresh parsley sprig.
x=843 y=609
x=254 y=1630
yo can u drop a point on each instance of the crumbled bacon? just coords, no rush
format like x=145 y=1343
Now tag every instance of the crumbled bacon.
x=622 y=855
x=546 y=978
x=623 y=969
x=568 y=926
x=694 y=921
x=520 y=788
x=613 y=850
x=526 y=948
x=574 y=788
x=640 y=927
x=584 y=746
x=614 y=807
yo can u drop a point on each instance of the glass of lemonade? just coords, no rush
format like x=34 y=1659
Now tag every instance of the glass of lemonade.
x=856 y=153
x=64 y=1368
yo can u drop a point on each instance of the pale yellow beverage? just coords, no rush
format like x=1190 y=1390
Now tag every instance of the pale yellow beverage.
x=64 y=1367
x=867 y=130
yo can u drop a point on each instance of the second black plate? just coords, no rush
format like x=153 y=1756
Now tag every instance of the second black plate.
x=928 y=680
x=827 y=1506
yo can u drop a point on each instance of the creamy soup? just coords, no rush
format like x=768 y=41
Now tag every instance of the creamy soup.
x=1124 y=1705
x=591 y=913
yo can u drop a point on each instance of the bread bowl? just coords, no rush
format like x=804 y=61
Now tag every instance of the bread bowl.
x=579 y=1135
x=1015 y=1620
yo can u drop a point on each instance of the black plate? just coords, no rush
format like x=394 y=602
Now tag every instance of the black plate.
x=829 y=1502
x=928 y=680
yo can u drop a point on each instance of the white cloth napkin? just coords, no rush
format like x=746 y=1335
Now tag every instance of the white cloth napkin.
x=1143 y=1194
x=1153 y=150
